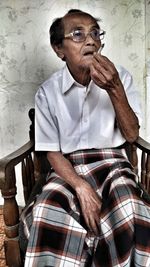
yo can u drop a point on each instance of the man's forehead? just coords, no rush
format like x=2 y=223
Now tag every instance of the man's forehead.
x=71 y=20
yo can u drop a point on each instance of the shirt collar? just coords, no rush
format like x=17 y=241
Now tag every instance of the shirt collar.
x=68 y=80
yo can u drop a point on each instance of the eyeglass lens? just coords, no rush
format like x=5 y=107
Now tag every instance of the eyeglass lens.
x=80 y=35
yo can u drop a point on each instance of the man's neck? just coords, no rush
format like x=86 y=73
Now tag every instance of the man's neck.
x=82 y=76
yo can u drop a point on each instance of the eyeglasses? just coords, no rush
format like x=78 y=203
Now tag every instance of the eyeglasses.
x=81 y=35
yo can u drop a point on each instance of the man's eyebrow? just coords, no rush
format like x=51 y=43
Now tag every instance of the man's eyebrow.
x=80 y=27
x=96 y=26
x=77 y=27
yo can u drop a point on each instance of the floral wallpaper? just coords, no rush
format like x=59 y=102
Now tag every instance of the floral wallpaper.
x=26 y=58
x=147 y=82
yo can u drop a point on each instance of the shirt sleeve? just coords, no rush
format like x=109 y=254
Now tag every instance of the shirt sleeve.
x=46 y=132
x=133 y=95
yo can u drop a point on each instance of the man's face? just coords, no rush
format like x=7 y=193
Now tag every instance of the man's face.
x=78 y=55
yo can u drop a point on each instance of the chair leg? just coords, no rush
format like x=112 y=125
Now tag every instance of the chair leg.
x=12 y=253
x=11 y=221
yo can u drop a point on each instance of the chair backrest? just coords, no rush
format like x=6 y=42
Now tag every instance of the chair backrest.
x=34 y=167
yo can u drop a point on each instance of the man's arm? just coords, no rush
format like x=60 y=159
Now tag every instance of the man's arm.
x=126 y=118
x=88 y=199
x=105 y=75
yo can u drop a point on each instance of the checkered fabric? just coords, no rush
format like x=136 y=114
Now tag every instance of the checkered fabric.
x=56 y=230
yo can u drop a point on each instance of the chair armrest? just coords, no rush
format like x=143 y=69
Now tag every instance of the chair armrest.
x=142 y=145
x=11 y=211
x=11 y=160
x=143 y=163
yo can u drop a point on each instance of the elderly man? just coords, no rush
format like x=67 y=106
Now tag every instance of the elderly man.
x=89 y=212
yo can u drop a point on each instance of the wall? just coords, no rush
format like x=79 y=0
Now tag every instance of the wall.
x=26 y=58
x=147 y=52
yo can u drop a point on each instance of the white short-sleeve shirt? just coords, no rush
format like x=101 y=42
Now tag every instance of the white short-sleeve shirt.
x=70 y=116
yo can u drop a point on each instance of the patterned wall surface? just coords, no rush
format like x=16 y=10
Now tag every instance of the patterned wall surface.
x=147 y=51
x=26 y=58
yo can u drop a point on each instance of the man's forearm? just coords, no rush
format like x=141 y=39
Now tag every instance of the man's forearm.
x=125 y=116
x=64 y=169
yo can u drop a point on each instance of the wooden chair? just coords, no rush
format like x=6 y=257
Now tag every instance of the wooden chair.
x=34 y=167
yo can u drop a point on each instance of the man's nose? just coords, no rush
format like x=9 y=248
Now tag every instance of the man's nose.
x=89 y=39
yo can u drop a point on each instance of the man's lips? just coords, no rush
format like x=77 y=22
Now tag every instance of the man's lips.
x=88 y=53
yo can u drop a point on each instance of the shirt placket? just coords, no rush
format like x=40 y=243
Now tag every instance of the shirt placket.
x=84 y=120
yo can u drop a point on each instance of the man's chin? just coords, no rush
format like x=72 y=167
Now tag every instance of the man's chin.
x=87 y=63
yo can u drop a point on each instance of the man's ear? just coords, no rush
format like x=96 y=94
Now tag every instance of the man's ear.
x=59 y=51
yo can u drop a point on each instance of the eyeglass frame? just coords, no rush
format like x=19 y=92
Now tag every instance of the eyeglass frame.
x=71 y=36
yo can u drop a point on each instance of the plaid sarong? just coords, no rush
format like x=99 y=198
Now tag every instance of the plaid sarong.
x=55 y=227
